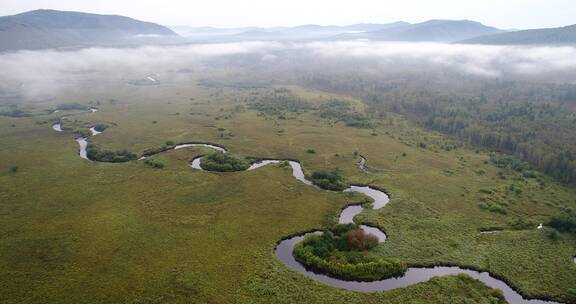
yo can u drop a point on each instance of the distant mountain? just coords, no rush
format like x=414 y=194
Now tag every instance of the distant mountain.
x=302 y=32
x=50 y=28
x=559 y=35
x=185 y=30
x=360 y=27
x=433 y=30
x=370 y=27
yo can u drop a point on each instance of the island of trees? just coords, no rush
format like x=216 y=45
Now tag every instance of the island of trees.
x=93 y=152
x=344 y=252
x=329 y=180
x=223 y=162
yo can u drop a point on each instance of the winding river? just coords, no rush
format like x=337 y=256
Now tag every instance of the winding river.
x=379 y=198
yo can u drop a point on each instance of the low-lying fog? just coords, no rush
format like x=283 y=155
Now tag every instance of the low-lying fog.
x=44 y=72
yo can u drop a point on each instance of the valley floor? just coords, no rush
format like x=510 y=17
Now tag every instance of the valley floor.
x=76 y=231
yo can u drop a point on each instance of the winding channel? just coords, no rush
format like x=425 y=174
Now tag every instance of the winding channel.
x=284 y=248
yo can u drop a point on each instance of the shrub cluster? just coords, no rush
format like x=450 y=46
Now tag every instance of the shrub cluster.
x=563 y=223
x=153 y=151
x=154 y=163
x=82 y=132
x=342 y=252
x=15 y=113
x=329 y=180
x=340 y=110
x=284 y=164
x=100 y=127
x=223 y=162
x=94 y=153
x=71 y=106
x=278 y=102
x=494 y=207
x=513 y=163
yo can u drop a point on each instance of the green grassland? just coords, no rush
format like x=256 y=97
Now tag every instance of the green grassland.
x=74 y=231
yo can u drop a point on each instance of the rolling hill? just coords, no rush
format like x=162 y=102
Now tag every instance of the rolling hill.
x=559 y=35
x=432 y=30
x=296 y=33
x=51 y=29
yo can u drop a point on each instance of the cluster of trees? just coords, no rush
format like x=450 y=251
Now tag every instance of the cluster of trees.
x=329 y=180
x=100 y=127
x=154 y=163
x=15 y=112
x=71 y=106
x=223 y=162
x=94 y=153
x=152 y=151
x=278 y=102
x=497 y=207
x=506 y=161
x=343 y=252
x=341 y=110
x=513 y=163
x=540 y=134
x=564 y=223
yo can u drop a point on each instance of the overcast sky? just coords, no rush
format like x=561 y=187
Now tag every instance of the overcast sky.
x=508 y=14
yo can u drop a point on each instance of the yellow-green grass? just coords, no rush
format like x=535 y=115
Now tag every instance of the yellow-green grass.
x=105 y=233
x=81 y=232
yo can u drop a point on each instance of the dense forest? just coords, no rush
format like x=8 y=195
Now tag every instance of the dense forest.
x=533 y=121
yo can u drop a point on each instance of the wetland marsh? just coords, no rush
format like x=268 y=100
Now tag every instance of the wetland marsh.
x=80 y=231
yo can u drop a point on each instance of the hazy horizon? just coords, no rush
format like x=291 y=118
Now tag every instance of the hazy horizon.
x=60 y=68
x=508 y=14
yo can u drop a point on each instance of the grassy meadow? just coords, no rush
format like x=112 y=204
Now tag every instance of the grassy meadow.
x=75 y=231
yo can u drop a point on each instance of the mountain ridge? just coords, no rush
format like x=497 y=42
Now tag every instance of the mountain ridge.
x=47 y=28
x=555 y=35
x=435 y=30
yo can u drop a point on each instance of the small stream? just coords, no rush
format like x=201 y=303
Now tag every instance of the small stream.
x=284 y=248
x=362 y=164
x=83 y=143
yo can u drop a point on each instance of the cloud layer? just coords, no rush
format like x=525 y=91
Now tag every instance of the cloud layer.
x=43 y=72
x=479 y=60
